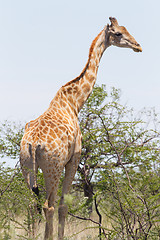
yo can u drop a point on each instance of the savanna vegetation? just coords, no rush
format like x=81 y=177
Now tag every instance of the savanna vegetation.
x=116 y=191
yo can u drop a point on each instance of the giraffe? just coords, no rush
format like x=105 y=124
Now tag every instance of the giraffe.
x=52 y=142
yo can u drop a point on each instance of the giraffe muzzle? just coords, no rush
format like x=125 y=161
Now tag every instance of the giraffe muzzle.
x=137 y=48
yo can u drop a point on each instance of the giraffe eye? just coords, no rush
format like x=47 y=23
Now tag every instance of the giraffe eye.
x=118 y=34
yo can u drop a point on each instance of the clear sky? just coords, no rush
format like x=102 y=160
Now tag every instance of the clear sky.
x=44 y=44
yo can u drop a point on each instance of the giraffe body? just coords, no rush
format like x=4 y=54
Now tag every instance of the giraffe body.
x=53 y=140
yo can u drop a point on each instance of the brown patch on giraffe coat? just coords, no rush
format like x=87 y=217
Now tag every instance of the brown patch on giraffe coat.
x=45 y=130
x=78 y=93
x=49 y=140
x=65 y=121
x=53 y=145
x=75 y=89
x=40 y=128
x=36 y=138
x=43 y=137
x=59 y=117
x=90 y=76
x=58 y=142
x=69 y=90
x=91 y=79
x=63 y=104
x=62 y=128
x=81 y=101
x=71 y=129
x=70 y=138
x=68 y=109
x=56 y=131
x=52 y=133
x=42 y=122
x=64 y=139
x=82 y=81
x=86 y=88
x=71 y=101
x=94 y=68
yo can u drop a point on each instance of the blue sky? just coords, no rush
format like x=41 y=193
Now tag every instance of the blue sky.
x=44 y=44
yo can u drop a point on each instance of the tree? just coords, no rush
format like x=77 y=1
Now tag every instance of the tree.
x=15 y=197
x=11 y=134
x=120 y=165
x=119 y=169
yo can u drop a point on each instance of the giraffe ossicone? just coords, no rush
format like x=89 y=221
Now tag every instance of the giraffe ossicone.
x=52 y=142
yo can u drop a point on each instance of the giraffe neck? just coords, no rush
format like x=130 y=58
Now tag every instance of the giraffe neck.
x=77 y=91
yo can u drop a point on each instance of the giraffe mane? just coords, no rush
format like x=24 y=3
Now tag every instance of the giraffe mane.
x=86 y=66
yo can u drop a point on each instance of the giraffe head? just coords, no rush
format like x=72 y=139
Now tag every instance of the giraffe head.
x=120 y=37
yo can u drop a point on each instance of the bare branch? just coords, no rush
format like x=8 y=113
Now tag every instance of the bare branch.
x=88 y=219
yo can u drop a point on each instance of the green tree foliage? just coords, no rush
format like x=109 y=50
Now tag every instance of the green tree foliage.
x=118 y=176
x=17 y=203
x=10 y=138
x=120 y=165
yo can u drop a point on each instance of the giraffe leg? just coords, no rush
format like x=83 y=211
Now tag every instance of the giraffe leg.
x=49 y=212
x=70 y=170
x=51 y=182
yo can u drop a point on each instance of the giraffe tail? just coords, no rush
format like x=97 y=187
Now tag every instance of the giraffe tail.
x=34 y=186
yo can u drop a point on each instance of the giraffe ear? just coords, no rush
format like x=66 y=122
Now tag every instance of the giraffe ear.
x=114 y=22
x=106 y=27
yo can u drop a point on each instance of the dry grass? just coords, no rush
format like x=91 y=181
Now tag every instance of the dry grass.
x=80 y=230
x=74 y=230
